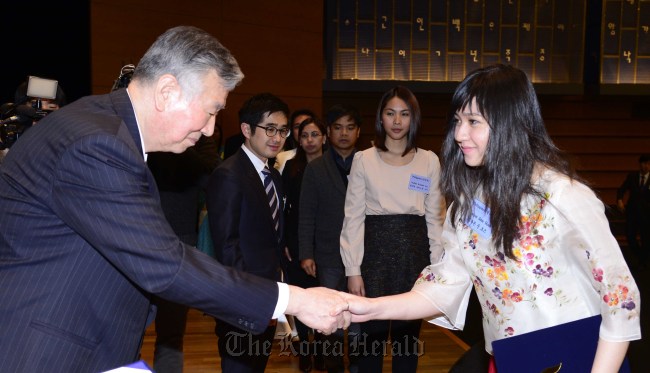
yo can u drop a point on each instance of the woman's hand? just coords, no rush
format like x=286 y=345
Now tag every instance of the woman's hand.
x=406 y=306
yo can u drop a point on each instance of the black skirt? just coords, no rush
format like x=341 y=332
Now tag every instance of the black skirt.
x=396 y=249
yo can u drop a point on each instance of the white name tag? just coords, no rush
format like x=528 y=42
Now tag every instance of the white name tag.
x=480 y=219
x=419 y=183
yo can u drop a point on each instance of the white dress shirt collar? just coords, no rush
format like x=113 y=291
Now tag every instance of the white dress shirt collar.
x=257 y=163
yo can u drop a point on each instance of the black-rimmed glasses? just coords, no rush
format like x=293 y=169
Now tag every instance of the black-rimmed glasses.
x=272 y=131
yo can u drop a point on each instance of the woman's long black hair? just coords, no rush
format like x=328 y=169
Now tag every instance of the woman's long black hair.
x=517 y=142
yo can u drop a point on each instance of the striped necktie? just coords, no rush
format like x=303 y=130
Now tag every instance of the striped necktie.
x=269 y=186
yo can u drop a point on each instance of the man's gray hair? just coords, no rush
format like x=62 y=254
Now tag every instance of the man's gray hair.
x=188 y=53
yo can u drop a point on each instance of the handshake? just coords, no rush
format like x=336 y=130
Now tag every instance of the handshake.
x=327 y=310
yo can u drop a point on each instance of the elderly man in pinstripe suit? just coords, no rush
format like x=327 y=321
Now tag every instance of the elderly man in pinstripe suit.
x=83 y=240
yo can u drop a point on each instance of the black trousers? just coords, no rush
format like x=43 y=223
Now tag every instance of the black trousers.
x=474 y=360
x=638 y=223
x=372 y=345
x=243 y=352
x=170 y=330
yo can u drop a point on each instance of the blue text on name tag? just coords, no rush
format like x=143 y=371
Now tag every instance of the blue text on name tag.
x=419 y=183
x=480 y=219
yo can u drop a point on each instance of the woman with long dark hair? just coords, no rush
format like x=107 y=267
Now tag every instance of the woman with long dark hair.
x=522 y=230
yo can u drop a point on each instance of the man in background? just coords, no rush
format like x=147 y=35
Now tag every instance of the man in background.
x=322 y=202
x=637 y=210
x=245 y=211
x=181 y=180
x=18 y=116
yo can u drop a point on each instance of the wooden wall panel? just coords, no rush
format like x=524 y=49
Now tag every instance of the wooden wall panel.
x=121 y=31
x=280 y=49
x=277 y=44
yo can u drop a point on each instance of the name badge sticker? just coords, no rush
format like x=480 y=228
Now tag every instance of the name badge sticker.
x=419 y=183
x=480 y=219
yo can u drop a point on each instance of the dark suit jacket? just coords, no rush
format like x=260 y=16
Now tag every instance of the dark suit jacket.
x=638 y=201
x=240 y=219
x=84 y=244
x=181 y=178
x=322 y=202
x=292 y=185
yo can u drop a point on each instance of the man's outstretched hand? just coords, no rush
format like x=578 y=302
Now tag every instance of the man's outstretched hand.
x=323 y=309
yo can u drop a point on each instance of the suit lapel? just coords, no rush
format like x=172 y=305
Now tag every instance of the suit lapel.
x=124 y=109
x=255 y=180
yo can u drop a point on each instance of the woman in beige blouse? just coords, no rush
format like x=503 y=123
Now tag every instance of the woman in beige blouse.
x=393 y=220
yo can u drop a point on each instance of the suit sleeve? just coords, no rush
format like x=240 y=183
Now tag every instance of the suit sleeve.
x=102 y=191
x=354 y=223
x=307 y=213
x=223 y=198
x=434 y=205
x=620 y=193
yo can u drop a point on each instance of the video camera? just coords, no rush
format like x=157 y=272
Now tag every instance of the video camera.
x=16 y=119
x=122 y=81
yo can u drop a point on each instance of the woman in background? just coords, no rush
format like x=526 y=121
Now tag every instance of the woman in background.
x=311 y=137
x=393 y=220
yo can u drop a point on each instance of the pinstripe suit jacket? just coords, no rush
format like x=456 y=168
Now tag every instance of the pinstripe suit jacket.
x=84 y=243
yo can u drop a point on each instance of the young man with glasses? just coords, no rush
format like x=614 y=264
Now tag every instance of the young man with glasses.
x=245 y=205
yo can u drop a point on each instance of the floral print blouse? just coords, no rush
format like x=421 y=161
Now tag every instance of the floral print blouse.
x=569 y=267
